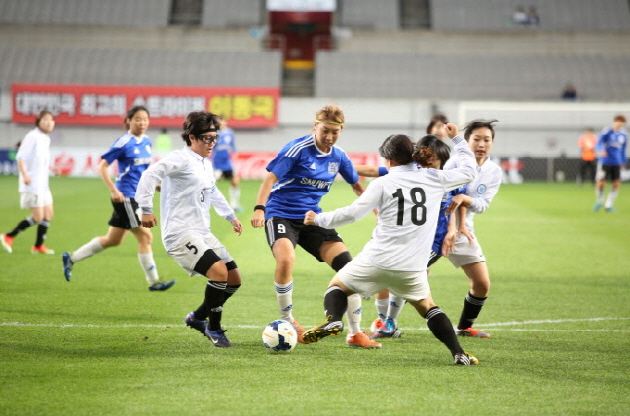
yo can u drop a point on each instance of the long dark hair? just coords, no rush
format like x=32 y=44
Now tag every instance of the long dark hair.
x=398 y=148
x=428 y=147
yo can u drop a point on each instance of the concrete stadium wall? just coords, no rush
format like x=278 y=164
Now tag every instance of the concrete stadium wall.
x=541 y=129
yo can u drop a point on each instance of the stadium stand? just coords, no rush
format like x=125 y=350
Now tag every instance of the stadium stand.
x=556 y=15
x=369 y=14
x=221 y=14
x=86 y=12
x=138 y=67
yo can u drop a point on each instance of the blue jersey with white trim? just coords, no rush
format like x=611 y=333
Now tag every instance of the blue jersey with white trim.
x=133 y=156
x=221 y=152
x=614 y=143
x=305 y=174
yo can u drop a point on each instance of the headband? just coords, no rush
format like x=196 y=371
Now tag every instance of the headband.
x=330 y=122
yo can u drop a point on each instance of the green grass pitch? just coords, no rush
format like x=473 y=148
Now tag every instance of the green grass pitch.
x=103 y=344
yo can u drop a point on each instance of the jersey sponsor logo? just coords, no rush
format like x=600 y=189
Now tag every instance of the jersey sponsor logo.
x=481 y=189
x=333 y=168
x=142 y=161
x=316 y=183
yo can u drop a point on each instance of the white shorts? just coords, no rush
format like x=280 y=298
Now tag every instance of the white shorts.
x=465 y=253
x=365 y=279
x=38 y=200
x=191 y=247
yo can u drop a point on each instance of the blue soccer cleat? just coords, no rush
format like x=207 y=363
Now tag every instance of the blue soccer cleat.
x=195 y=323
x=67 y=265
x=161 y=286
x=218 y=338
x=597 y=206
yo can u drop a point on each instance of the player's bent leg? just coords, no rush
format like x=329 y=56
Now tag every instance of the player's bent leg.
x=474 y=301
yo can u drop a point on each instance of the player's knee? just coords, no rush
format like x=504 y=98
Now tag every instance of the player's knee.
x=341 y=260
x=285 y=262
x=211 y=266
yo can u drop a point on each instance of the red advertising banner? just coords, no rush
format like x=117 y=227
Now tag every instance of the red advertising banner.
x=100 y=105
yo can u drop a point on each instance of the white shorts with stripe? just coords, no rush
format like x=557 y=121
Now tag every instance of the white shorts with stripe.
x=361 y=277
x=191 y=247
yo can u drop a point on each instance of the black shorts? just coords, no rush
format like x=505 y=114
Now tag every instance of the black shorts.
x=227 y=174
x=125 y=214
x=611 y=173
x=309 y=237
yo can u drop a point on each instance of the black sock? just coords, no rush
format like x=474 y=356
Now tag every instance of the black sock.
x=335 y=303
x=42 y=228
x=472 y=307
x=216 y=313
x=214 y=298
x=442 y=328
x=22 y=226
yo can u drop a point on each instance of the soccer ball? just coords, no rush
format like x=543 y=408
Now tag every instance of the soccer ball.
x=279 y=336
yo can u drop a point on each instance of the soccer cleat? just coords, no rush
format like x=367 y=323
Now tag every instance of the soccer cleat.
x=388 y=329
x=597 y=206
x=465 y=359
x=300 y=331
x=218 y=338
x=612 y=210
x=327 y=328
x=472 y=332
x=161 y=286
x=42 y=249
x=195 y=323
x=7 y=242
x=362 y=340
x=67 y=265
x=376 y=325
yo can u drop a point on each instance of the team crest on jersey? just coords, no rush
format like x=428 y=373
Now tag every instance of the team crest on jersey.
x=481 y=189
x=333 y=168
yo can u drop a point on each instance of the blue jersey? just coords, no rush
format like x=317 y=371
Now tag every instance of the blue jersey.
x=305 y=174
x=614 y=143
x=133 y=156
x=222 y=149
x=442 y=224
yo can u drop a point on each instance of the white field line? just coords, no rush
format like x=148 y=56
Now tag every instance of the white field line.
x=495 y=325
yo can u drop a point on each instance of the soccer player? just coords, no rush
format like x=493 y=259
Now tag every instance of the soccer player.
x=188 y=191
x=612 y=158
x=222 y=155
x=297 y=178
x=132 y=151
x=408 y=201
x=33 y=160
x=479 y=194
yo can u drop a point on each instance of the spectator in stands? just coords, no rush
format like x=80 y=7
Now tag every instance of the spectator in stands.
x=33 y=160
x=612 y=159
x=587 y=143
x=519 y=16
x=569 y=93
x=532 y=17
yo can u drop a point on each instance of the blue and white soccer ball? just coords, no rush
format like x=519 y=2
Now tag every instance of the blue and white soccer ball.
x=279 y=336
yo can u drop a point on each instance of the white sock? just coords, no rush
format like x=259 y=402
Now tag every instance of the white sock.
x=381 y=307
x=235 y=196
x=89 y=249
x=612 y=195
x=354 y=313
x=148 y=265
x=395 y=306
x=599 y=194
x=284 y=293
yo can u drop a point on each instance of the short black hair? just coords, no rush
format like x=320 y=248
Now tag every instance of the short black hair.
x=199 y=122
x=476 y=124
x=398 y=148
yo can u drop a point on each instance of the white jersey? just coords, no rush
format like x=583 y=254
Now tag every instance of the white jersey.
x=188 y=191
x=35 y=152
x=481 y=190
x=408 y=200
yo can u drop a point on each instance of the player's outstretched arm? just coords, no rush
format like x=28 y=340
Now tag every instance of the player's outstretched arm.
x=258 y=219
